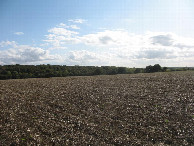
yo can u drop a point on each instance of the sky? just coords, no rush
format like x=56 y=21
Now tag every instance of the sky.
x=130 y=33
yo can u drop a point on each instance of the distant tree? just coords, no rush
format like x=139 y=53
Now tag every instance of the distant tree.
x=41 y=71
x=122 y=70
x=65 y=73
x=131 y=70
x=24 y=75
x=137 y=70
x=164 y=69
x=98 y=71
x=149 y=69
x=15 y=75
x=9 y=75
x=157 y=68
x=112 y=70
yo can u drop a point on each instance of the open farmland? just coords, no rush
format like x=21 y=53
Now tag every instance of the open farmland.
x=140 y=109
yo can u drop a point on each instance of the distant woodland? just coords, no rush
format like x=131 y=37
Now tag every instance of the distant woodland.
x=45 y=71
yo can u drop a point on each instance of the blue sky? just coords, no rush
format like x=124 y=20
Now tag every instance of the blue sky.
x=97 y=32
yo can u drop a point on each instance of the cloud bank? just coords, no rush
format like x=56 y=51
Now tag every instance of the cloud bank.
x=23 y=54
x=104 y=47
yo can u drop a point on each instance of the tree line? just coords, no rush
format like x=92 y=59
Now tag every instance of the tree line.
x=45 y=71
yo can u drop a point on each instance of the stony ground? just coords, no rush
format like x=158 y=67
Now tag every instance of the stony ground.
x=141 y=109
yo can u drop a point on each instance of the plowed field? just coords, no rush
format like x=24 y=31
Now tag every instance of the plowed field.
x=140 y=109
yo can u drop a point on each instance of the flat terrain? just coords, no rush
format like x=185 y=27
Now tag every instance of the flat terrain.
x=140 y=109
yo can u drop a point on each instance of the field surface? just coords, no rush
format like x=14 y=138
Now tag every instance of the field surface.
x=140 y=109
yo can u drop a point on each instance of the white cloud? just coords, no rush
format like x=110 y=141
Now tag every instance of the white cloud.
x=164 y=40
x=57 y=48
x=121 y=47
x=62 y=31
x=84 y=57
x=58 y=37
x=156 y=54
x=149 y=47
x=19 y=33
x=61 y=35
x=68 y=26
x=54 y=40
x=77 y=20
x=24 y=54
x=7 y=43
x=170 y=40
x=108 y=38
x=63 y=25
x=74 y=27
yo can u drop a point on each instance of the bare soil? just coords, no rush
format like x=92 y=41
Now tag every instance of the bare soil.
x=140 y=109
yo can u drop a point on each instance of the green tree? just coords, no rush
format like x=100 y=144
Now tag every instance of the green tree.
x=149 y=69
x=157 y=68
x=164 y=69
x=137 y=70
x=65 y=73
x=98 y=71
x=15 y=75
x=9 y=75
x=122 y=70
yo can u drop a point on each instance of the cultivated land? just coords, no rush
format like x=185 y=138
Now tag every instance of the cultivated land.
x=140 y=109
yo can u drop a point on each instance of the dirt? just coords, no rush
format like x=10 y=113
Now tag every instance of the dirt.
x=140 y=109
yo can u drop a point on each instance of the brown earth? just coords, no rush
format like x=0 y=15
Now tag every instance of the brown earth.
x=140 y=109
